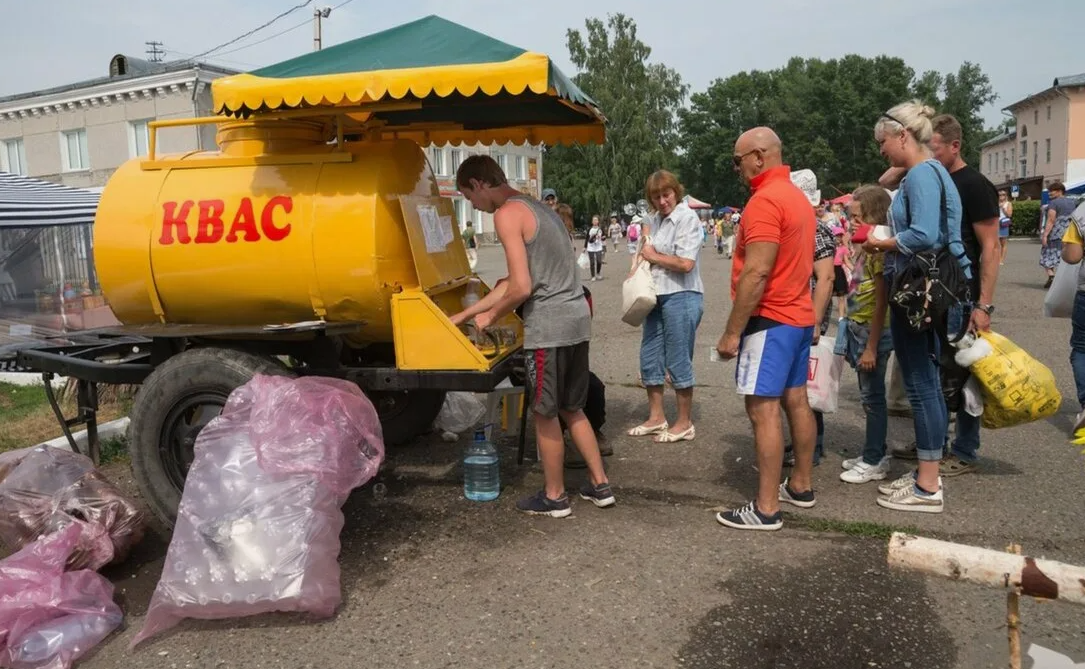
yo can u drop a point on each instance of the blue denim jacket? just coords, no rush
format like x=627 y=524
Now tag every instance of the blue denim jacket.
x=916 y=216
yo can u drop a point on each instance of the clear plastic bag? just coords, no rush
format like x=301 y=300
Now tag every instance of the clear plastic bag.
x=45 y=489
x=259 y=520
x=50 y=618
x=460 y=412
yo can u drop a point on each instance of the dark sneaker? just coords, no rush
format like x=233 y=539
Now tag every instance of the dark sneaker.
x=749 y=518
x=803 y=500
x=541 y=505
x=905 y=452
x=952 y=465
x=600 y=495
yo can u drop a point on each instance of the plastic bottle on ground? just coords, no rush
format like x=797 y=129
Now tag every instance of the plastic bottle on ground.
x=481 y=470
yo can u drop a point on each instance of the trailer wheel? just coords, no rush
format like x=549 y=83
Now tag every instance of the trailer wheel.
x=407 y=414
x=174 y=403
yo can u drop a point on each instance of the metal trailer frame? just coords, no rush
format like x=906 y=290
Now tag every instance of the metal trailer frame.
x=128 y=355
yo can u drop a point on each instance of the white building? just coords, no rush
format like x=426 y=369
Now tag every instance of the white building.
x=521 y=164
x=80 y=133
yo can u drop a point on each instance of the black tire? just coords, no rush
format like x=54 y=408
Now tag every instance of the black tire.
x=162 y=430
x=406 y=415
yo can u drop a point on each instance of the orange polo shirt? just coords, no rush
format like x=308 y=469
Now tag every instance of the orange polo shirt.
x=778 y=212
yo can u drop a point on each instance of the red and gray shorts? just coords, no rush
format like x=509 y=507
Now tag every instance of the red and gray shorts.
x=558 y=378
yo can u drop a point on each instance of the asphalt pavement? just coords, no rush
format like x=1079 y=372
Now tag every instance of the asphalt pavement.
x=433 y=580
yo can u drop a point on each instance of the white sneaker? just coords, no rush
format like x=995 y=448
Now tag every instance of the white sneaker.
x=865 y=473
x=848 y=463
x=905 y=481
x=910 y=499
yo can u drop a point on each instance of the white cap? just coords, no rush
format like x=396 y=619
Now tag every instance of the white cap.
x=807 y=182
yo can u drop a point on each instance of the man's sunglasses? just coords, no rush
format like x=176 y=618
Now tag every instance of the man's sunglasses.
x=737 y=160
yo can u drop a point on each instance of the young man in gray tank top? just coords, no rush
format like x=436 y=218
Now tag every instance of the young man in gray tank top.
x=543 y=277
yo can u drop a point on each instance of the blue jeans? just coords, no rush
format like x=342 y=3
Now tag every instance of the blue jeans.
x=872 y=396
x=917 y=354
x=666 y=344
x=967 y=443
x=1077 y=346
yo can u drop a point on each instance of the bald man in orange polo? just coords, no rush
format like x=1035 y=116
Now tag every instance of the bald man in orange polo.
x=771 y=327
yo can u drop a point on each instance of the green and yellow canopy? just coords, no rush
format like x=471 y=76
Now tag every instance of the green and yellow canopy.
x=430 y=80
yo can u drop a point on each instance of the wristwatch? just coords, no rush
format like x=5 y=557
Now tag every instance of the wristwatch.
x=986 y=308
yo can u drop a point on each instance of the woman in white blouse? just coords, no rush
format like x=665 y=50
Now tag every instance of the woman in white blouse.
x=672 y=247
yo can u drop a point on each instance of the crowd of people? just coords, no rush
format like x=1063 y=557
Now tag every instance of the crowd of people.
x=792 y=253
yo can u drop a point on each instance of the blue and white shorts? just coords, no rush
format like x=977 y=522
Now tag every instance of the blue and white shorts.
x=772 y=357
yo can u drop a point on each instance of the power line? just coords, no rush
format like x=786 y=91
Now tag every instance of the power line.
x=155 y=51
x=304 y=23
x=254 y=30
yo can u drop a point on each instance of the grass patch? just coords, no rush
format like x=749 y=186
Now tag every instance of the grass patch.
x=852 y=528
x=27 y=419
x=114 y=450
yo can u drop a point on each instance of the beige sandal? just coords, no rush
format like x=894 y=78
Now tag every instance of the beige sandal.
x=644 y=431
x=667 y=437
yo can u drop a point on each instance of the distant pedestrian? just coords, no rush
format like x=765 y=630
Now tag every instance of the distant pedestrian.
x=1056 y=222
x=1005 y=222
x=471 y=243
x=615 y=231
x=595 y=244
x=632 y=234
x=771 y=327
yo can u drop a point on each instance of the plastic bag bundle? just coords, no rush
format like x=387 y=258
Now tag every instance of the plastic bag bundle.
x=1016 y=388
x=49 y=618
x=45 y=489
x=460 y=412
x=258 y=525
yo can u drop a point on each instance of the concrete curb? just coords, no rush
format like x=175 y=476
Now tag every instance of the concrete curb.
x=26 y=379
x=110 y=430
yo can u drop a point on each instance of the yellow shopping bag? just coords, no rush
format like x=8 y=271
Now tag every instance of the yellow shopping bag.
x=1017 y=388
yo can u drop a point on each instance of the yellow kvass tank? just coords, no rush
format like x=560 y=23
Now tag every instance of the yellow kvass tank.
x=304 y=236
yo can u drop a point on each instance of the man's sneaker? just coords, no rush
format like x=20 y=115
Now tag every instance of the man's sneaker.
x=864 y=473
x=913 y=499
x=600 y=495
x=904 y=481
x=749 y=518
x=951 y=465
x=803 y=500
x=541 y=505
x=908 y=452
x=1079 y=422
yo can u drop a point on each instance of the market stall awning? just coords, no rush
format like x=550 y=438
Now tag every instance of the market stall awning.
x=431 y=79
x=694 y=203
x=32 y=203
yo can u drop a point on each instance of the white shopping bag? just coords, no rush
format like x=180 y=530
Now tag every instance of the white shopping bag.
x=638 y=291
x=583 y=261
x=1059 y=302
x=823 y=381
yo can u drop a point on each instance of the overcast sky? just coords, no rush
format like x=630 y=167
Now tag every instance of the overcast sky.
x=1021 y=46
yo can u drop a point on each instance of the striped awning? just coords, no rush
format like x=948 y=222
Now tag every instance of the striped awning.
x=33 y=203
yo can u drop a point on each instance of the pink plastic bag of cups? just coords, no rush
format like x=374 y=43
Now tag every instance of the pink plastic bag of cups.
x=259 y=520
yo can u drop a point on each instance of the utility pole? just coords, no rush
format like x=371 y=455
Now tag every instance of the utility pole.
x=155 y=51
x=318 y=14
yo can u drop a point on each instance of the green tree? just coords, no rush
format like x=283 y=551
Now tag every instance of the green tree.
x=640 y=100
x=825 y=112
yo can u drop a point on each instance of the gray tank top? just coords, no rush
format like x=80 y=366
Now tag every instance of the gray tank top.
x=557 y=313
